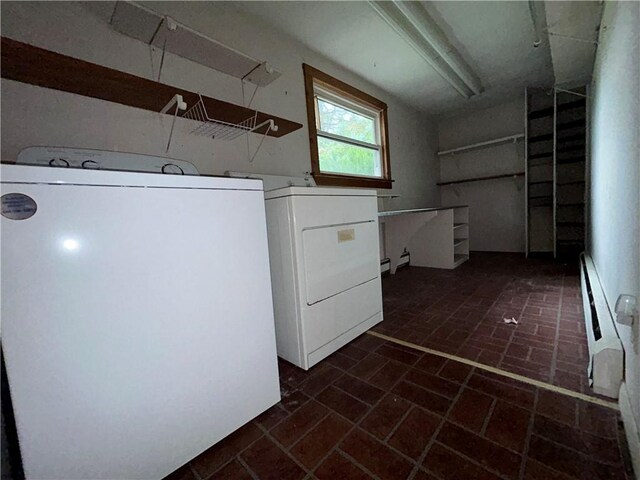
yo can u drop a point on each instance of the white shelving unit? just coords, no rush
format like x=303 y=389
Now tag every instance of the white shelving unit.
x=434 y=237
x=469 y=169
x=460 y=235
x=555 y=158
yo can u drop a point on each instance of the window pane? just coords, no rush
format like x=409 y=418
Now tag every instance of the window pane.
x=338 y=157
x=339 y=120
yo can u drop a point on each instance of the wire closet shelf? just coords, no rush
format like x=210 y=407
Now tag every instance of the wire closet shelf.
x=219 y=130
x=211 y=127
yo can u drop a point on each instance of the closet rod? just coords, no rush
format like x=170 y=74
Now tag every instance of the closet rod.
x=478 y=179
x=473 y=146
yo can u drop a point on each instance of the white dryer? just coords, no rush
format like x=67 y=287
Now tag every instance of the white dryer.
x=325 y=268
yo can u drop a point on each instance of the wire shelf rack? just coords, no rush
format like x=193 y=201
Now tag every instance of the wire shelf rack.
x=219 y=130
x=212 y=128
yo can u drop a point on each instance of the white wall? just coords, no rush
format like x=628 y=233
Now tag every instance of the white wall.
x=614 y=231
x=37 y=116
x=496 y=207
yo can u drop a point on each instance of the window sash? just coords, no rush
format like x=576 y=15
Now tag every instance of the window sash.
x=376 y=147
x=350 y=141
x=341 y=102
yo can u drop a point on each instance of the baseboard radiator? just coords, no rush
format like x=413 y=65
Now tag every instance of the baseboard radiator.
x=606 y=356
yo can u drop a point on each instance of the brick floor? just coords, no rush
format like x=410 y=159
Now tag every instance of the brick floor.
x=396 y=413
x=378 y=410
x=461 y=312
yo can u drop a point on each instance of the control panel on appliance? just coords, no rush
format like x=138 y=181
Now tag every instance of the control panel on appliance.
x=58 y=162
x=73 y=163
x=172 y=168
x=92 y=164
x=103 y=160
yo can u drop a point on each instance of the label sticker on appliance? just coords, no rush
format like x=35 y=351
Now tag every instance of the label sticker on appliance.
x=346 y=235
x=18 y=206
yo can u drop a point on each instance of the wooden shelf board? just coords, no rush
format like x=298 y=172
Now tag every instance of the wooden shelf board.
x=25 y=63
x=563 y=107
x=547 y=112
x=540 y=164
x=572 y=148
x=540 y=155
x=570 y=183
x=571 y=138
x=540 y=138
x=541 y=196
x=569 y=161
x=571 y=124
x=478 y=179
x=542 y=113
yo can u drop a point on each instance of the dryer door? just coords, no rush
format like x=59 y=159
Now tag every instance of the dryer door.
x=339 y=257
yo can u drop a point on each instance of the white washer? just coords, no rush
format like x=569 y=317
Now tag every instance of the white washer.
x=137 y=316
x=325 y=269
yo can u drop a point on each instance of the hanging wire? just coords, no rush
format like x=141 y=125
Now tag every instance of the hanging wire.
x=164 y=48
x=246 y=136
x=260 y=144
x=536 y=23
x=173 y=124
x=247 y=105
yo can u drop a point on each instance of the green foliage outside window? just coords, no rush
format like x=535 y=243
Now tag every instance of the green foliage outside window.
x=339 y=120
x=340 y=157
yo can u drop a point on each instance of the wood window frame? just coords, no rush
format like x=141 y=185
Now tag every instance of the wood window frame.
x=314 y=76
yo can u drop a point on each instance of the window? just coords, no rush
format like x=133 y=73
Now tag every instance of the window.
x=347 y=133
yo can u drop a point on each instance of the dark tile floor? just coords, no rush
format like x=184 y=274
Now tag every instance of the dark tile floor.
x=378 y=410
x=461 y=312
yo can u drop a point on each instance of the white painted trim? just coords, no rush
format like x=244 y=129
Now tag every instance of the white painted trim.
x=526 y=173
x=497 y=371
x=555 y=173
x=630 y=427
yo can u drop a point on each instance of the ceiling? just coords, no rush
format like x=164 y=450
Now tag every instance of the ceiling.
x=573 y=59
x=495 y=38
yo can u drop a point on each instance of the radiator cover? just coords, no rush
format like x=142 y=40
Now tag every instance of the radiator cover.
x=606 y=356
